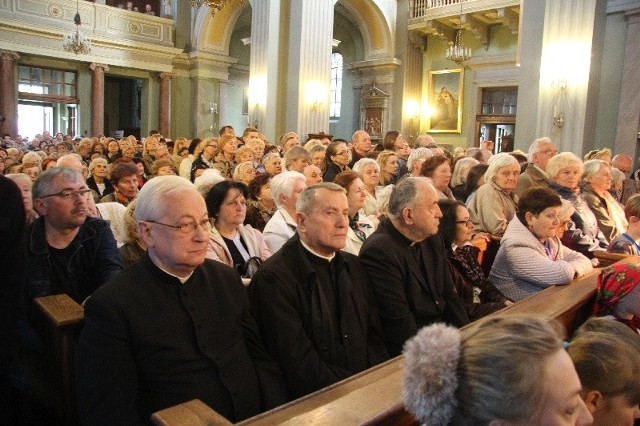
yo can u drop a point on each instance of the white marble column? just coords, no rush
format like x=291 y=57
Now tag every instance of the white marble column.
x=310 y=38
x=264 y=71
x=295 y=97
x=629 y=107
x=563 y=51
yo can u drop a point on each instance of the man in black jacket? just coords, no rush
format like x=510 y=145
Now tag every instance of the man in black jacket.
x=406 y=262
x=312 y=301
x=174 y=326
x=68 y=252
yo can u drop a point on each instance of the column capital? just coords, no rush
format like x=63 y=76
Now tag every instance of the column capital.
x=95 y=65
x=165 y=76
x=9 y=55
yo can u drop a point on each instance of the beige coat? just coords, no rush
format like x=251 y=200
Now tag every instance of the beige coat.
x=492 y=209
x=218 y=251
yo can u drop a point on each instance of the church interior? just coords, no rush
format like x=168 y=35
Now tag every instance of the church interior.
x=534 y=68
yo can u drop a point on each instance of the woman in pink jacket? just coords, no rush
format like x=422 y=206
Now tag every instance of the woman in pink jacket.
x=230 y=241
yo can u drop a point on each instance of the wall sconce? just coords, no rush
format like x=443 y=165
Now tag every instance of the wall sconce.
x=558 y=120
x=412 y=110
x=315 y=95
x=559 y=84
x=558 y=117
x=213 y=110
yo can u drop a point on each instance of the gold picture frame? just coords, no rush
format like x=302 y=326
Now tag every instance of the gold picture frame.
x=445 y=101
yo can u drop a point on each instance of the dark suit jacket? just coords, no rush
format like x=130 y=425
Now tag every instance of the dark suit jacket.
x=150 y=342
x=296 y=319
x=407 y=299
x=531 y=178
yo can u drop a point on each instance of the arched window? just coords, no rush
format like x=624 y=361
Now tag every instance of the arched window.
x=336 y=85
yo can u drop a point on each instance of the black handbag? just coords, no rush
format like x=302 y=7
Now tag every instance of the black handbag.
x=249 y=268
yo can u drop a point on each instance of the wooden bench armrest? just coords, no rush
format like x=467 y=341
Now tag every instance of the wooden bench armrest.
x=60 y=310
x=190 y=413
x=62 y=320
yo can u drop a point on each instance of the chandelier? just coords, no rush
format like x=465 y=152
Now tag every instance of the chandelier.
x=457 y=52
x=76 y=41
x=215 y=5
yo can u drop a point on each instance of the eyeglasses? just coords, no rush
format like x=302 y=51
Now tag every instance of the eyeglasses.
x=342 y=153
x=185 y=228
x=465 y=222
x=550 y=152
x=68 y=193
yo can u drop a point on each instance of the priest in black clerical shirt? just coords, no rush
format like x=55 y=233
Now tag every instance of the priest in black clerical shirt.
x=172 y=327
x=313 y=302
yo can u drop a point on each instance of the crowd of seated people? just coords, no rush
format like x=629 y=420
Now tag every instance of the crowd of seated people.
x=346 y=249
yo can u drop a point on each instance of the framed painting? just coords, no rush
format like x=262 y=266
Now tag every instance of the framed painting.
x=445 y=100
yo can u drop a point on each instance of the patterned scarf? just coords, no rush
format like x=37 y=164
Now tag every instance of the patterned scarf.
x=466 y=259
x=357 y=227
x=614 y=283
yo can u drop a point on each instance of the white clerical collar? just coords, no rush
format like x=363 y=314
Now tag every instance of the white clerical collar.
x=182 y=280
x=315 y=253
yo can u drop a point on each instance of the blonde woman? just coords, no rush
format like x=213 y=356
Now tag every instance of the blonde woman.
x=180 y=144
x=388 y=164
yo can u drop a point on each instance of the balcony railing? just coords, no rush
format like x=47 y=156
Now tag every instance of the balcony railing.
x=418 y=8
x=98 y=20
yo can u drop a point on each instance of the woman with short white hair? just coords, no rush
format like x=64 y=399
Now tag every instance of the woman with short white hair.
x=494 y=203
x=583 y=233
x=369 y=171
x=98 y=180
x=596 y=182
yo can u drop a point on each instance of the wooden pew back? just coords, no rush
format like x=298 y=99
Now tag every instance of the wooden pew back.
x=64 y=320
x=607 y=258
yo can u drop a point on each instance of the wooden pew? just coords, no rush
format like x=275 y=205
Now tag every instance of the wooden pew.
x=373 y=397
x=63 y=318
x=607 y=258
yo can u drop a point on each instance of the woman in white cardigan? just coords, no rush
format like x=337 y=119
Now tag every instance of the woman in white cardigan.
x=231 y=242
x=529 y=258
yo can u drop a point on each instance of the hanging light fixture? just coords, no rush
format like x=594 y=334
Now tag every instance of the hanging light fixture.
x=76 y=41
x=215 y=5
x=457 y=52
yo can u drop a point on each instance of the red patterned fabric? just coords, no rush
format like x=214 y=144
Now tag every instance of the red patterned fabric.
x=614 y=283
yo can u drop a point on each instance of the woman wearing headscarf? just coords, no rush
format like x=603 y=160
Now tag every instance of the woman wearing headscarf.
x=619 y=294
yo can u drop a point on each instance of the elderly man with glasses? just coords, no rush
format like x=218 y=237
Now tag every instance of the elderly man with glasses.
x=535 y=176
x=174 y=326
